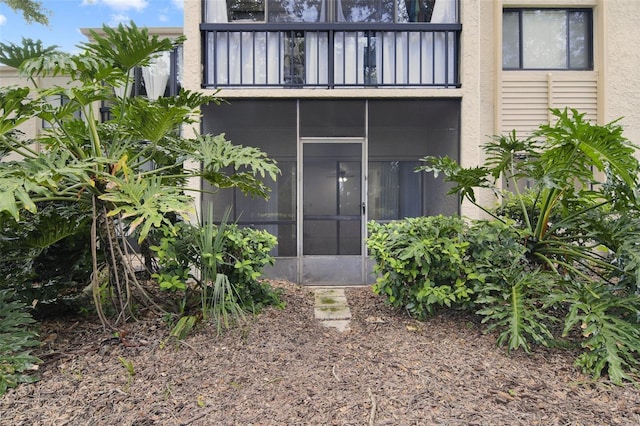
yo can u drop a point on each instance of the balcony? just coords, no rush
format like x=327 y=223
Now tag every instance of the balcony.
x=331 y=55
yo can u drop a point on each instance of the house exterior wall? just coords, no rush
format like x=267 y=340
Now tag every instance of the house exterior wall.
x=495 y=101
x=10 y=77
x=492 y=100
x=620 y=65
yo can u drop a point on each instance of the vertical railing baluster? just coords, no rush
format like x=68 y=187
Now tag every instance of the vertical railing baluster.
x=446 y=59
x=433 y=58
x=330 y=59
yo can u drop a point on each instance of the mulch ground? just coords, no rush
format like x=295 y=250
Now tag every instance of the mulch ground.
x=284 y=368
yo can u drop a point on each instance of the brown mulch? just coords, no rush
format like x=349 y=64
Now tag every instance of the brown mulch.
x=285 y=368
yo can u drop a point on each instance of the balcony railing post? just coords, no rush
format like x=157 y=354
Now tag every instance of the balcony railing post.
x=330 y=60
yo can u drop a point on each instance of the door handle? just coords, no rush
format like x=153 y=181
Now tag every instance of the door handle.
x=363 y=208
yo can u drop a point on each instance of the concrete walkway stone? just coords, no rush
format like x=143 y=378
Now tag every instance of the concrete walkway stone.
x=332 y=308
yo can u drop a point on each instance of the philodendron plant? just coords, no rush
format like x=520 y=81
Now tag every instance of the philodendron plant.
x=102 y=165
x=578 y=221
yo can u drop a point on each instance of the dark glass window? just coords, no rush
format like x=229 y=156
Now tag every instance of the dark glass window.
x=547 y=39
x=440 y=11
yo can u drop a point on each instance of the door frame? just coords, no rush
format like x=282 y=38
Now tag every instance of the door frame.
x=332 y=269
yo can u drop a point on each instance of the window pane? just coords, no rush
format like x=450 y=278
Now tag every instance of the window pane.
x=297 y=11
x=281 y=203
x=393 y=190
x=244 y=10
x=365 y=11
x=511 y=40
x=273 y=130
x=544 y=35
x=415 y=10
x=579 y=40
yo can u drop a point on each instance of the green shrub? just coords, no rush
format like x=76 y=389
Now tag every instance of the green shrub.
x=510 y=296
x=228 y=260
x=46 y=257
x=16 y=340
x=421 y=265
x=247 y=252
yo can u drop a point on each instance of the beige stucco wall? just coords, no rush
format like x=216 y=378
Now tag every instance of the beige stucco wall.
x=10 y=77
x=621 y=64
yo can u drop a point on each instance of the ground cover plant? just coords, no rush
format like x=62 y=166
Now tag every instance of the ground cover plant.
x=558 y=262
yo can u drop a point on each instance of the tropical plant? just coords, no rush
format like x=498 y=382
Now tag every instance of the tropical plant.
x=102 y=165
x=16 y=342
x=46 y=256
x=509 y=296
x=219 y=266
x=608 y=323
x=578 y=227
x=558 y=161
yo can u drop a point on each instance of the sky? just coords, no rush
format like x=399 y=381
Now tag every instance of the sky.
x=68 y=16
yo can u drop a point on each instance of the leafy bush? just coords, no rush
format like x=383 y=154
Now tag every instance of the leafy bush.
x=228 y=260
x=608 y=322
x=421 y=265
x=46 y=257
x=15 y=343
x=567 y=247
x=509 y=298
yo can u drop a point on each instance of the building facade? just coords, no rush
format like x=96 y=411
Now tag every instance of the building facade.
x=348 y=95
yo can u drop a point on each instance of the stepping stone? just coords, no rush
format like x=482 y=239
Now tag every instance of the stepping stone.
x=331 y=308
x=340 y=325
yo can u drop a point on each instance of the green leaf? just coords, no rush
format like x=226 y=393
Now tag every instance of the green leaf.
x=146 y=201
x=14 y=56
x=127 y=46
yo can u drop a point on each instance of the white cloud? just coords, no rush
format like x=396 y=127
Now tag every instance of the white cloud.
x=122 y=5
x=178 y=3
x=119 y=19
x=126 y=4
x=3 y=19
x=163 y=17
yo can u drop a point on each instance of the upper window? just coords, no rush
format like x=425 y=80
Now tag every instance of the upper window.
x=547 y=39
x=441 y=11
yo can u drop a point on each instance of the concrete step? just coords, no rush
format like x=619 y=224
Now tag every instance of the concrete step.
x=332 y=308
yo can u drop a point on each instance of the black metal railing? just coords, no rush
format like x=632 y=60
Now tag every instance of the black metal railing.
x=330 y=55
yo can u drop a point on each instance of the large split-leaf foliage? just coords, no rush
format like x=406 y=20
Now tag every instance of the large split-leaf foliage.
x=559 y=262
x=76 y=197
